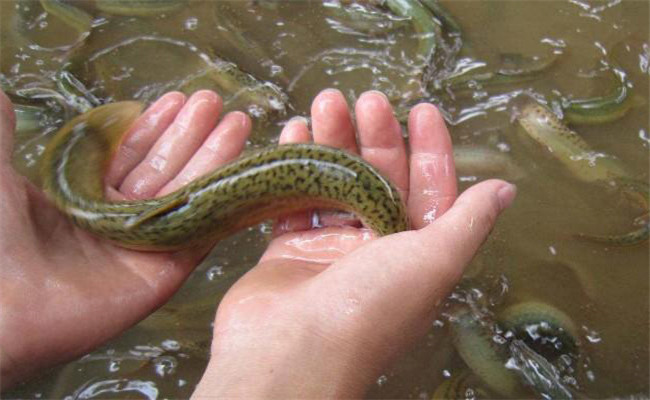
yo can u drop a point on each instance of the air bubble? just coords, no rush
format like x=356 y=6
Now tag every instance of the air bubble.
x=191 y=23
x=165 y=365
x=114 y=366
x=171 y=345
x=276 y=70
x=214 y=272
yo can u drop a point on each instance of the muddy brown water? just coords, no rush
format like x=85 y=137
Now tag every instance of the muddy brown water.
x=302 y=48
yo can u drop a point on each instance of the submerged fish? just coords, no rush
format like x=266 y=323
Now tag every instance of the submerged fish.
x=540 y=124
x=504 y=362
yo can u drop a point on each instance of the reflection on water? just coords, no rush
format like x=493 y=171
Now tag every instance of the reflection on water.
x=272 y=58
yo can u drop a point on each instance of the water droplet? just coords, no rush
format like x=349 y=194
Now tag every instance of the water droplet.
x=469 y=178
x=479 y=94
x=382 y=380
x=256 y=111
x=215 y=272
x=146 y=351
x=352 y=305
x=499 y=339
x=446 y=373
x=276 y=70
x=165 y=365
x=430 y=215
x=114 y=365
x=566 y=360
x=191 y=23
x=593 y=337
x=266 y=228
x=643 y=135
x=512 y=364
x=569 y=380
x=171 y=345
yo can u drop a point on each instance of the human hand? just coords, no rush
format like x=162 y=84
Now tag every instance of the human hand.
x=326 y=310
x=64 y=291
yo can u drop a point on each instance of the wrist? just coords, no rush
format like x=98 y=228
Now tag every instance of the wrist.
x=289 y=365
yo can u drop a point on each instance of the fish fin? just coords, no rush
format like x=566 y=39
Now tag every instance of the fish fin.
x=157 y=211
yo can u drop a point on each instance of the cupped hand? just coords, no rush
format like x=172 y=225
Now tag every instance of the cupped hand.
x=326 y=310
x=63 y=291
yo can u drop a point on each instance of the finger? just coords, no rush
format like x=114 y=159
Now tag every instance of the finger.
x=7 y=127
x=432 y=174
x=175 y=147
x=381 y=141
x=295 y=131
x=331 y=121
x=224 y=144
x=142 y=135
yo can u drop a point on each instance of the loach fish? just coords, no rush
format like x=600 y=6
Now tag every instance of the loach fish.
x=540 y=124
x=259 y=186
x=603 y=109
x=490 y=352
x=141 y=8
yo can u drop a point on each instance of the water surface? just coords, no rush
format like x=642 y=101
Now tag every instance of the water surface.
x=303 y=47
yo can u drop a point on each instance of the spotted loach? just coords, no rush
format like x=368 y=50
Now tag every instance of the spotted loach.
x=262 y=185
x=568 y=147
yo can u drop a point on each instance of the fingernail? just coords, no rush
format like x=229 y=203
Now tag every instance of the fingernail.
x=174 y=97
x=298 y=119
x=330 y=91
x=375 y=93
x=240 y=118
x=506 y=195
x=424 y=113
x=208 y=94
x=324 y=101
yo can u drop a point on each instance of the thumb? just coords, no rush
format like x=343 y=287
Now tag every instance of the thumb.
x=398 y=281
x=7 y=126
x=466 y=225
